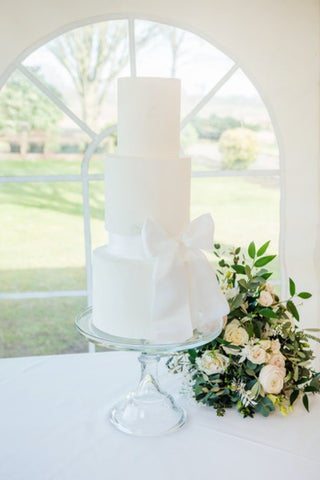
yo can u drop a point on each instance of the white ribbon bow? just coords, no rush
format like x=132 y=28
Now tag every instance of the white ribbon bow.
x=187 y=294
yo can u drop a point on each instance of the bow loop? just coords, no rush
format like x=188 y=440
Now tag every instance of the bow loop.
x=155 y=240
x=199 y=233
x=186 y=292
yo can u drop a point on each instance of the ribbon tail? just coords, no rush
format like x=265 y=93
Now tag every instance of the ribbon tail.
x=208 y=304
x=171 y=318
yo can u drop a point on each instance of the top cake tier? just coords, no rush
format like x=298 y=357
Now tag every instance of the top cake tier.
x=149 y=117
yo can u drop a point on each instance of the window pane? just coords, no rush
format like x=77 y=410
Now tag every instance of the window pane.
x=42 y=244
x=243 y=209
x=233 y=131
x=167 y=51
x=40 y=327
x=83 y=66
x=36 y=138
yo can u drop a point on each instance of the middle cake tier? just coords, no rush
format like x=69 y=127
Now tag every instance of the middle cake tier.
x=140 y=188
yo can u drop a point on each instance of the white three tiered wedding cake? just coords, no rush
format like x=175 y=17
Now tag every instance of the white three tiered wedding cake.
x=152 y=281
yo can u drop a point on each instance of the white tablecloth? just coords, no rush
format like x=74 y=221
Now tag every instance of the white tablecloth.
x=52 y=427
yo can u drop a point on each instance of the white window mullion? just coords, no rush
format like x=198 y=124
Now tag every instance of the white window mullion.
x=209 y=95
x=42 y=294
x=236 y=173
x=48 y=178
x=56 y=101
x=132 y=47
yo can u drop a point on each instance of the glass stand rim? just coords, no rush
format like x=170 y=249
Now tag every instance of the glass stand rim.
x=85 y=326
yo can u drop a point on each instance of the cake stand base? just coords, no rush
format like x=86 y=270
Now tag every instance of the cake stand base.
x=148 y=411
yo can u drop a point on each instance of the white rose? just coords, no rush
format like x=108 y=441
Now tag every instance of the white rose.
x=269 y=288
x=231 y=292
x=265 y=344
x=271 y=379
x=257 y=355
x=275 y=346
x=235 y=334
x=265 y=299
x=277 y=359
x=212 y=362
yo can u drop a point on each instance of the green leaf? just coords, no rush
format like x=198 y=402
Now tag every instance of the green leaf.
x=267 y=312
x=305 y=401
x=236 y=302
x=252 y=250
x=293 y=397
x=266 y=275
x=292 y=287
x=264 y=260
x=304 y=295
x=315 y=382
x=265 y=406
x=293 y=309
x=237 y=250
x=243 y=284
x=239 y=269
x=250 y=329
x=248 y=271
x=263 y=249
x=217 y=246
x=310 y=388
x=312 y=337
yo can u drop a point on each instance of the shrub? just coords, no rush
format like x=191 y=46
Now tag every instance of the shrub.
x=238 y=148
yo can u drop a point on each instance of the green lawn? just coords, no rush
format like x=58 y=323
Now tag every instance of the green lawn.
x=42 y=244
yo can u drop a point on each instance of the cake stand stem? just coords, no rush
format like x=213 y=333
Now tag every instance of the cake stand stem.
x=148 y=411
x=149 y=373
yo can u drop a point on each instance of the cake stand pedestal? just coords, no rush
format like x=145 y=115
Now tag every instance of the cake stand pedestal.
x=147 y=411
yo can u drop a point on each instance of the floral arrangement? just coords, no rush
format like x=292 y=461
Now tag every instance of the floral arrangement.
x=261 y=360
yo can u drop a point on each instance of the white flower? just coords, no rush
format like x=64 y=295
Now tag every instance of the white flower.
x=269 y=287
x=275 y=346
x=236 y=334
x=277 y=359
x=265 y=299
x=231 y=292
x=271 y=378
x=257 y=354
x=212 y=362
x=265 y=344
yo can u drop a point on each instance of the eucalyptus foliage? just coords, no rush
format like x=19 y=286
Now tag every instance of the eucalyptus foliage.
x=261 y=361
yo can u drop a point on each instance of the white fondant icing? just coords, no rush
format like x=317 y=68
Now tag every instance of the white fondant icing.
x=140 y=188
x=149 y=117
x=135 y=296
x=122 y=294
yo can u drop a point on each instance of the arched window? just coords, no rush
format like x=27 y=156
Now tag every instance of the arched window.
x=58 y=121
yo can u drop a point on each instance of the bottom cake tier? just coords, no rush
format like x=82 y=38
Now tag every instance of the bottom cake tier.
x=122 y=294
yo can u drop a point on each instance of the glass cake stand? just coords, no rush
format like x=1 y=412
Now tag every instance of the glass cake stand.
x=148 y=410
